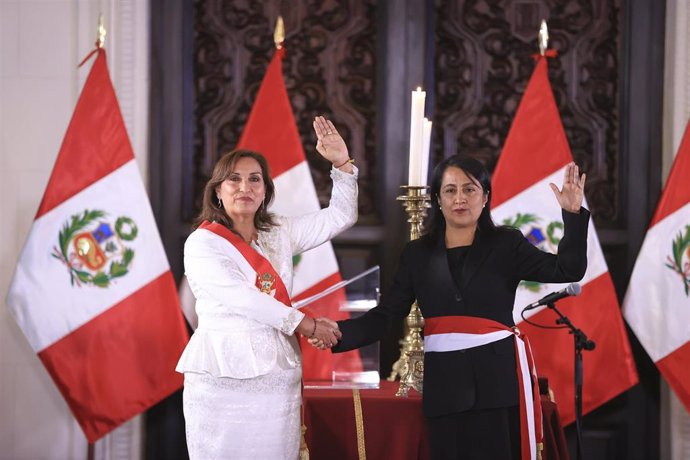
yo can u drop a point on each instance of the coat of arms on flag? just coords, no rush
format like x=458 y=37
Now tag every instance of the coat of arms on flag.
x=679 y=261
x=93 y=249
x=545 y=237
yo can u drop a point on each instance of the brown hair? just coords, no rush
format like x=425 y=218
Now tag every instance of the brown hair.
x=263 y=220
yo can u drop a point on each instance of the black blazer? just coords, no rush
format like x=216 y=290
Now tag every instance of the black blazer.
x=481 y=377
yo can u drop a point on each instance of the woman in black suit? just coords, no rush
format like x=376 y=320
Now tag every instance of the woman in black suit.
x=466 y=267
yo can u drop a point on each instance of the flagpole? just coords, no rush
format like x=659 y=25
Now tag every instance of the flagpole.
x=279 y=33
x=100 y=42
x=100 y=38
x=581 y=342
x=278 y=39
x=543 y=37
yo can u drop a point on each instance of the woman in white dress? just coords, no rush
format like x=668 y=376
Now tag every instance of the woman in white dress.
x=242 y=366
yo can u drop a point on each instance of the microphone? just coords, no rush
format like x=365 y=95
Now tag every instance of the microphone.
x=571 y=289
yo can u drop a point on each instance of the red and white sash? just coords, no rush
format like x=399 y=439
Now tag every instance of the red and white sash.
x=453 y=333
x=267 y=278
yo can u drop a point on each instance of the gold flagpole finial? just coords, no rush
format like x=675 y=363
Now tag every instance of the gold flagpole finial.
x=279 y=33
x=543 y=37
x=100 y=40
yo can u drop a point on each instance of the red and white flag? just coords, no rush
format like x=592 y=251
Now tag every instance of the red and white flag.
x=272 y=131
x=93 y=291
x=536 y=153
x=657 y=304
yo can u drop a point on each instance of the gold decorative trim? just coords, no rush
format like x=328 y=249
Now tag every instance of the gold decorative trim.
x=359 y=422
x=303 y=448
x=279 y=33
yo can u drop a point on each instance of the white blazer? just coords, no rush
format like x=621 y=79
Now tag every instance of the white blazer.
x=242 y=332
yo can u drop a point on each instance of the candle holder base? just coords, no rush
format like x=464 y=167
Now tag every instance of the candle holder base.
x=412 y=373
x=411 y=362
x=412 y=346
x=410 y=366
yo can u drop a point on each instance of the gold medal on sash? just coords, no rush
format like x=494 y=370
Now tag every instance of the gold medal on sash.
x=265 y=282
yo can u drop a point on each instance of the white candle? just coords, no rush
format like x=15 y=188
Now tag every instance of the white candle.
x=426 y=143
x=416 y=131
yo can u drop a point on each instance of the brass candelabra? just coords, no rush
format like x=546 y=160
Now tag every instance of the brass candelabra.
x=410 y=366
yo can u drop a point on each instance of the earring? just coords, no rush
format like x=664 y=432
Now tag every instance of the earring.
x=220 y=202
x=263 y=203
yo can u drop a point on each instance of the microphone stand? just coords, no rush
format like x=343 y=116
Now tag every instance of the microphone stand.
x=581 y=343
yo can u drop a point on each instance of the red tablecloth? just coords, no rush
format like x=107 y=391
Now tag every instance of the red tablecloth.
x=394 y=428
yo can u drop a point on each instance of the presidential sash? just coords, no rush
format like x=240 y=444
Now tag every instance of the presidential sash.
x=453 y=333
x=267 y=280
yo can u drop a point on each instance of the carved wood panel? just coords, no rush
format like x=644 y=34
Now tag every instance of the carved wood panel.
x=481 y=66
x=329 y=69
x=483 y=61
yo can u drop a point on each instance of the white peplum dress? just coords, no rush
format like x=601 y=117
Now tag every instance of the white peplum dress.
x=242 y=367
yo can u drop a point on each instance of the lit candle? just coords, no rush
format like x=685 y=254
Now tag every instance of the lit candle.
x=416 y=132
x=426 y=143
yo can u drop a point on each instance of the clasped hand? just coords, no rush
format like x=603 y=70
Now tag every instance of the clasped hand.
x=322 y=333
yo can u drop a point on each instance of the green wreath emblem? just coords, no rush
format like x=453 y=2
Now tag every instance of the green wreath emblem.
x=551 y=232
x=680 y=246
x=520 y=220
x=126 y=235
x=79 y=222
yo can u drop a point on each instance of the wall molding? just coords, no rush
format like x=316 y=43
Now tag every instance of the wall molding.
x=675 y=419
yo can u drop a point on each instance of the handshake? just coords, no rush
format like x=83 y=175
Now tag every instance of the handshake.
x=322 y=332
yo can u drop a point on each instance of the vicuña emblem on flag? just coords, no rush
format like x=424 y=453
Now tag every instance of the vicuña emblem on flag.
x=680 y=261
x=87 y=243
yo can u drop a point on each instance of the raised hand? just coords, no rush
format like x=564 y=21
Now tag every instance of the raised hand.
x=329 y=143
x=571 y=195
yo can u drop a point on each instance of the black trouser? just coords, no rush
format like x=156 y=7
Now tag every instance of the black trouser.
x=487 y=434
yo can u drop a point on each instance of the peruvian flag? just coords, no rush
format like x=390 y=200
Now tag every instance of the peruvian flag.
x=272 y=131
x=536 y=153
x=93 y=291
x=657 y=304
